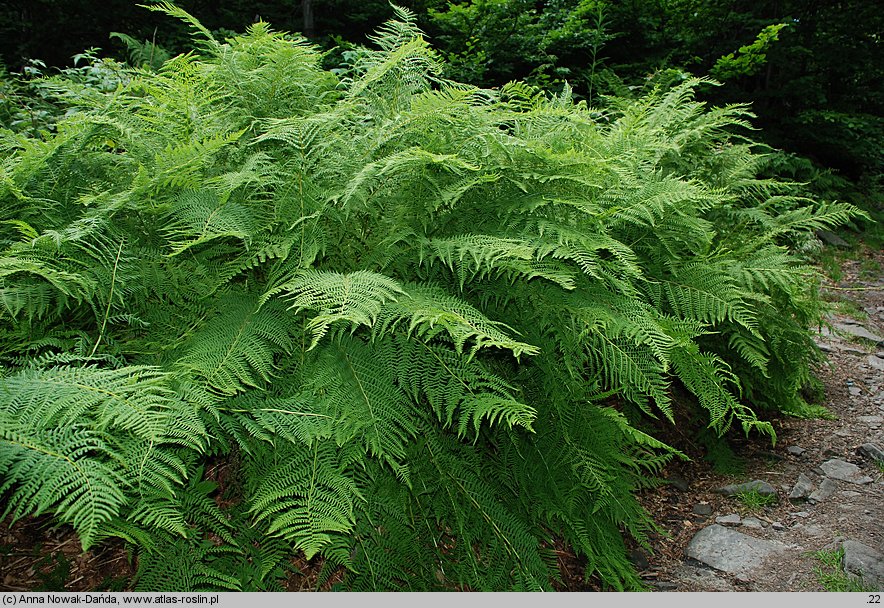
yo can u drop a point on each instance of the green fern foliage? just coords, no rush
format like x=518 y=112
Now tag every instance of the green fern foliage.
x=418 y=324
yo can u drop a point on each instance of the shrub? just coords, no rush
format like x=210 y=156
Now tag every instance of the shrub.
x=417 y=321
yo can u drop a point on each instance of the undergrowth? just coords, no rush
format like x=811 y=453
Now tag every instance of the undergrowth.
x=754 y=501
x=422 y=321
x=831 y=575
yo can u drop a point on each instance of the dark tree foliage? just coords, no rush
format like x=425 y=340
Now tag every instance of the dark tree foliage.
x=55 y=30
x=812 y=70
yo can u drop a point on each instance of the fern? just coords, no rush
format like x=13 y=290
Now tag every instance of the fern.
x=304 y=495
x=236 y=349
x=60 y=470
x=420 y=325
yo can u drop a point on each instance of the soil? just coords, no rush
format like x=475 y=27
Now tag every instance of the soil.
x=37 y=555
x=854 y=394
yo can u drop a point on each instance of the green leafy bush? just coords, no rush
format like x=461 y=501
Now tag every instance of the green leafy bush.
x=417 y=321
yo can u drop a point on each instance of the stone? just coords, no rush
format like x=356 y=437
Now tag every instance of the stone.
x=826 y=489
x=762 y=487
x=852 y=350
x=753 y=523
x=875 y=362
x=802 y=514
x=844 y=471
x=778 y=525
x=639 y=559
x=693 y=577
x=795 y=450
x=678 y=482
x=802 y=488
x=743 y=578
x=830 y=238
x=862 y=560
x=702 y=509
x=871 y=419
x=857 y=331
x=849 y=494
x=855 y=391
x=728 y=520
x=873 y=451
x=730 y=551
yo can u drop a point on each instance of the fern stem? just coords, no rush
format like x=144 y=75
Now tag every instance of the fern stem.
x=110 y=298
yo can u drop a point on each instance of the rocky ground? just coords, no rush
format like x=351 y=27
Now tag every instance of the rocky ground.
x=822 y=478
x=825 y=476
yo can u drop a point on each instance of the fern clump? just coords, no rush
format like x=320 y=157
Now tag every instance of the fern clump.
x=400 y=308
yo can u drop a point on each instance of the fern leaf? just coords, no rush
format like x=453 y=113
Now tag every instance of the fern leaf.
x=429 y=311
x=356 y=297
x=63 y=470
x=304 y=496
x=236 y=349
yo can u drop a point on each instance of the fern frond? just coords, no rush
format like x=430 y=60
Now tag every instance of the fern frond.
x=198 y=217
x=304 y=495
x=356 y=387
x=430 y=311
x=477 y=257
x=236 y=349
x=64 y=470
x=357 y=297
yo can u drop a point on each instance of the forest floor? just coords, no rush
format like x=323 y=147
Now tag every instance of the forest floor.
x=806 y=533
x=37 y=555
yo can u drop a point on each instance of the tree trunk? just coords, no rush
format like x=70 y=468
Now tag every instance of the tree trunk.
x=307 y=14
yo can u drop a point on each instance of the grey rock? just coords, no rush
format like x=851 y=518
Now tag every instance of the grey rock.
x=844 y=471
x=778 y=525
x=802 y=488
x=862 y=560
x=826 y=489
x=795 y=450
x=678 y=482
x=830 y=238
x=857 y=331
x=753 y=523
x=639 y=559
x=826 y=347
x=730 y=551
x=728 y=520
x=743 y=578
x=762 y=487
x=801 y=514
x=694 y=578
x=873 y=451
x=871 y=419
x=875 y=362
x=702 y=509
x=855 y=391
x=852 y=350
x=849 y=493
